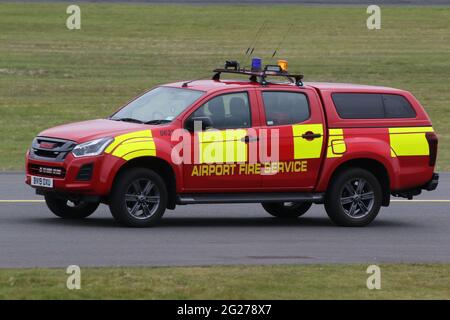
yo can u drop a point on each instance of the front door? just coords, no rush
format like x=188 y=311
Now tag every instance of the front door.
x=220 y=153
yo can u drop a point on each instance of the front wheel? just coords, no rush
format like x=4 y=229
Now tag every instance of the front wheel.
x=67 y=209
x=138 y=198
x=353 y=198
x=287 y=210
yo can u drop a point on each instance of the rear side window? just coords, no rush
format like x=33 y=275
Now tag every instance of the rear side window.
x=372 y=106
x=359 y=105
x=283 y=107
x=397 y=107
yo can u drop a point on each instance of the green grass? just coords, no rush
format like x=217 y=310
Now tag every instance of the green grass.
x=398 y=281
x=50 y=75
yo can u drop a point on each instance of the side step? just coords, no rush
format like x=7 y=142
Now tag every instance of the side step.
x=248 y=197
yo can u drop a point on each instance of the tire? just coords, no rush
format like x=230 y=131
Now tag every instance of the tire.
x=138 y=198
x=286 y=210
x=353 y=198
x=66 y=209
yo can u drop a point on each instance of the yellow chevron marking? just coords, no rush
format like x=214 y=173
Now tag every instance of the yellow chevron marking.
x=307 y=149
x=409 y=141
x=336 y=143
x=133 y=145
x=222 y=146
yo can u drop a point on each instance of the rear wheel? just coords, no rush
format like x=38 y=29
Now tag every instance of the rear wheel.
x=68 y=209
x=353 y=198
x=287 y=209
x=138 y=198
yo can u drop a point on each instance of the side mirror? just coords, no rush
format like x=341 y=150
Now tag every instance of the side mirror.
x=197 y=123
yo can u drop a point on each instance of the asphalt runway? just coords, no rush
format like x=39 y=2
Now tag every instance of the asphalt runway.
x=263 y=2
x=30 y=236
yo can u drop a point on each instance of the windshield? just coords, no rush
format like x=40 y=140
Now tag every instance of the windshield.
x=161 y=104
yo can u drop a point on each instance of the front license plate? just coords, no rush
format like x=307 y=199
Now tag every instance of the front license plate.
x=41 y=182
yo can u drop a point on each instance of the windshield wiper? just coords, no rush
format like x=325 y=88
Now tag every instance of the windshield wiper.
x=158 y=121
x=128 y=120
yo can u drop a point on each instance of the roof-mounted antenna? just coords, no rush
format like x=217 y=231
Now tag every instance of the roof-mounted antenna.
x=252 y=46
x=186 y=83
x=282 y=40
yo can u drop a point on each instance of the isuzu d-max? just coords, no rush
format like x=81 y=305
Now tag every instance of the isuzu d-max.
x=283 y=144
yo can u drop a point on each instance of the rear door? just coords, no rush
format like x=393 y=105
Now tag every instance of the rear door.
x=296 y=116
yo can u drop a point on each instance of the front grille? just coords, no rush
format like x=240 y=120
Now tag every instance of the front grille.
x=50 y=149
x=46 y=171
x=85 y=173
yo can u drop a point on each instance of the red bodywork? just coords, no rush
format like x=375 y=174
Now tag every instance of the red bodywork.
x=364 y=139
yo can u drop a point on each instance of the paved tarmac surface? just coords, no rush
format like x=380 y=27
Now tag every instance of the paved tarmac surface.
x=30 y=236
x=262 y=2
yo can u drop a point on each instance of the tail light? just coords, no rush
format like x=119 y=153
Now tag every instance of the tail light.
x=432 y=145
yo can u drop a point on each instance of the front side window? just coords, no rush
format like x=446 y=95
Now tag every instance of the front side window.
x=227 y=111
x=284 y=108
x=160 y=104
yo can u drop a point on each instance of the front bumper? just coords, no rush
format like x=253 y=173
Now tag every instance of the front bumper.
x=71 y=179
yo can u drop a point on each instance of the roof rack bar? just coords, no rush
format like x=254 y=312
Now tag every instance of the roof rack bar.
x=254 y=75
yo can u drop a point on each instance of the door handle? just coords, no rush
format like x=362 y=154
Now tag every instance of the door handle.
x=311 y=135
x=248 y=139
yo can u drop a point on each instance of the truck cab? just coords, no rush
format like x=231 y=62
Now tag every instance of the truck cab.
x=284 y=144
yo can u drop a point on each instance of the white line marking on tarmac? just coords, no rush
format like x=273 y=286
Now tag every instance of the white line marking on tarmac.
x=422 y=200
x=406 y=201
x=22 y=201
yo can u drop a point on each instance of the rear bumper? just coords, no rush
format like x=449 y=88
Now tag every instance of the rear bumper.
x=433 y=183
x=410 y=193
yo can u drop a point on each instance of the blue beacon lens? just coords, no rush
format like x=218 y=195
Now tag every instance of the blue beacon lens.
x=256 y=64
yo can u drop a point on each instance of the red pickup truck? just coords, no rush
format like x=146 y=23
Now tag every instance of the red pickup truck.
x=285 y=145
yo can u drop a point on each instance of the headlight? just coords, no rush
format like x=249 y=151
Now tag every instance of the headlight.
x=91 y=148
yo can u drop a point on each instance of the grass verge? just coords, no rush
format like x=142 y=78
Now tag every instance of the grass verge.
x=50 y=75
x=398 y=281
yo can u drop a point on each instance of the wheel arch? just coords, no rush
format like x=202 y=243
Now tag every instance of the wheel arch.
x=158 y=165
x=376 y=167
